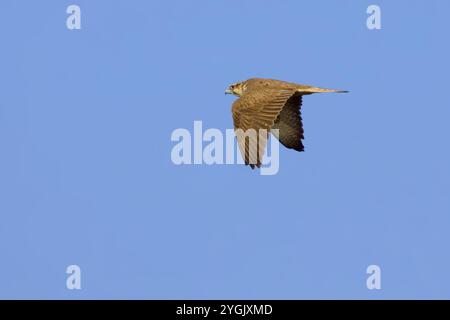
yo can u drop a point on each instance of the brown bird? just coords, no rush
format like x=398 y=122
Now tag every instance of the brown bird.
x=264 y=106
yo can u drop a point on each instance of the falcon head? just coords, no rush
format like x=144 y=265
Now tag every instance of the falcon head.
x=236 y=88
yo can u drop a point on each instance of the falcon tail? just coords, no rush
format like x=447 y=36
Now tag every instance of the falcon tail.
x=320 y=90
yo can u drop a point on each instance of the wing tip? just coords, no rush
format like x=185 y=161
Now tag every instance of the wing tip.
x=253 y=166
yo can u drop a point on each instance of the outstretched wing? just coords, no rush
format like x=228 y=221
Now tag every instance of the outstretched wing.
x=254 y=115
x=289 y=124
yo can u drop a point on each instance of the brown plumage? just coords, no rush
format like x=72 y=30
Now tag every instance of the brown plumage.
x=264 y=106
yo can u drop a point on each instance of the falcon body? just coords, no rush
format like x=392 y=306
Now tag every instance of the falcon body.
x=264 y=106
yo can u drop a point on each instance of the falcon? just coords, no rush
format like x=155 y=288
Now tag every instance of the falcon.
x=267 y=105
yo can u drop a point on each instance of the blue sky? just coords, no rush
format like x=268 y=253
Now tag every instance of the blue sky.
x=86 y=176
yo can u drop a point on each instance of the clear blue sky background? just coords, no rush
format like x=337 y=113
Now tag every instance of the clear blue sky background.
x=86 y=176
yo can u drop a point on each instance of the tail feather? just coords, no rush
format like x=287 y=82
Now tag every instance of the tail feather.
x=320 y=90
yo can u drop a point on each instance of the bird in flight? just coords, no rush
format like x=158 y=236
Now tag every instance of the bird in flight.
x=267 y=105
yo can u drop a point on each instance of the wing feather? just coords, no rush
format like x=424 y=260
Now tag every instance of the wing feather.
x=257 y=110
x=289 y=124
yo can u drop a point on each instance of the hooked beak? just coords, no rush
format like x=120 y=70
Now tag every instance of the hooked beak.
x=228 y=91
